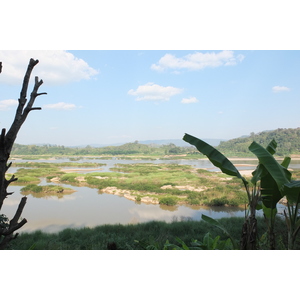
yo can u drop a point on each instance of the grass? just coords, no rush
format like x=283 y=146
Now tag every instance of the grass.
x=147 y=179
x=154 y=234
x=47 y=189
x=33 y=175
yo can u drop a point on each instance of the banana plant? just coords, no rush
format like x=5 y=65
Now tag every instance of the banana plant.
x=270 y=183
x=272 y=177
x=249 y=232
x=292 y=192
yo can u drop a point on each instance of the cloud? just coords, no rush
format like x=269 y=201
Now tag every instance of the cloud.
x=197 y=61
x=60 y=106
x=7 y=104
x=189 y=100
x=54 y=67
x=277 y=89
x=154 y=92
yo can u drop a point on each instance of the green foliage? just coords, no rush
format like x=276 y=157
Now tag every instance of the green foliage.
x=32 y=188
x=151 y=235
x=70 y=177
x=168 y=200
x=216 y=158
x=126 y=149
x=48 y=189
x=288 y=141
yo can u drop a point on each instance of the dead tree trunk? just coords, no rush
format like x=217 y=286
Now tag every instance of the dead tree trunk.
x=6 y=143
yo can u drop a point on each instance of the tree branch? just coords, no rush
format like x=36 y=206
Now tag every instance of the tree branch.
x=13 y=225
x=21 y=113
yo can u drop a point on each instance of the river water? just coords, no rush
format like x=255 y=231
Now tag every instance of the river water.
x=88 y=208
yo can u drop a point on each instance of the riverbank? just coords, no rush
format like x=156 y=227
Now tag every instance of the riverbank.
x=146 y=236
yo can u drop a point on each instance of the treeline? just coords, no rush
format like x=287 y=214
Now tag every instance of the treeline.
x=288 y=142
x=126 y=149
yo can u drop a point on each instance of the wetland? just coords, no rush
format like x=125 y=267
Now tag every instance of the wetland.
x=94 y=191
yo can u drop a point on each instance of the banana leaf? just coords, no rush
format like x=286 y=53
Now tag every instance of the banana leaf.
x=216 y=157
x=215 y=223
x=260 y=171
x=279 y=173
x=292 y=191
x=273 y=177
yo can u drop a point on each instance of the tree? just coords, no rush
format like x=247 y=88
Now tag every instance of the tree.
x=7 y=139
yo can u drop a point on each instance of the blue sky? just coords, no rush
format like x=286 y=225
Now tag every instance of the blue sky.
x=116 y=96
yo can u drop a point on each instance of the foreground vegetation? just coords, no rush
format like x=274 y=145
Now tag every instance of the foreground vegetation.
x=152 y=235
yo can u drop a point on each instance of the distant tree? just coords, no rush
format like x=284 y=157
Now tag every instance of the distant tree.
x=7 y=139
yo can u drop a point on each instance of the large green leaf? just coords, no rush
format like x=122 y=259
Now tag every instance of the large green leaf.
x=271 y=148
x=292 y=191
x=278 y=172
x=260 y=171
x=270 y=192
x=286 y=162
x=216 y=157
x=220 y=226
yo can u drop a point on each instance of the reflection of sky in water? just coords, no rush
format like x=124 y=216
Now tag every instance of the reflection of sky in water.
x=86 y=207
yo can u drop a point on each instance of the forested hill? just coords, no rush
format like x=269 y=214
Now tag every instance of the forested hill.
x=126 y=149
x=288 y=142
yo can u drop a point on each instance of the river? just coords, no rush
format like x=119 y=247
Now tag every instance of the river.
x=88 y=208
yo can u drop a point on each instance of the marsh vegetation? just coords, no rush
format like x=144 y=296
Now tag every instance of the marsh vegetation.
x=168 y=184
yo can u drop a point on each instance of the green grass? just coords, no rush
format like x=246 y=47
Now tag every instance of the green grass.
x=147 y=179
x=154 y=234
x=47 y=189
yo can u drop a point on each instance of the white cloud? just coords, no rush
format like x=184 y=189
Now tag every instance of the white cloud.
x=7 y=104
x=189 y=100
x=60 y=106
x=54 y=67
x=198 y=61
x=277 y=89
x=154 y=92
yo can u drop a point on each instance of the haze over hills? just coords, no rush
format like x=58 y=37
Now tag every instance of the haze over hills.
x=176 y=142
x=288 y=142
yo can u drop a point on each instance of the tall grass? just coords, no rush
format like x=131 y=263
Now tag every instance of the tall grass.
x=151 y=233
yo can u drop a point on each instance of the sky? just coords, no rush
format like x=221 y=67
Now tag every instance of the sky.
x=119 y=96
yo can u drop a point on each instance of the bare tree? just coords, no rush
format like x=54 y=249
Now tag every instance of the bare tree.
x=6 y=143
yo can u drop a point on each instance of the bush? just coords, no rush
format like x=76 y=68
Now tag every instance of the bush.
x=168 y=200
x=193 y=201
x=217 y=202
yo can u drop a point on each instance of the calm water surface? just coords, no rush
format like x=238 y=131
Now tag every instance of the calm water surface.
x=88 y=208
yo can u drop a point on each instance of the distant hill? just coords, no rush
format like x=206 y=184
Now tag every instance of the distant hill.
x=179 y=143
x=176 y=142
x=288 y=142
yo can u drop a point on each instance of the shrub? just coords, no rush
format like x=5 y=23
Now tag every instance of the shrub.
x=217 y=202
x=193 y=201
x=168 y=200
